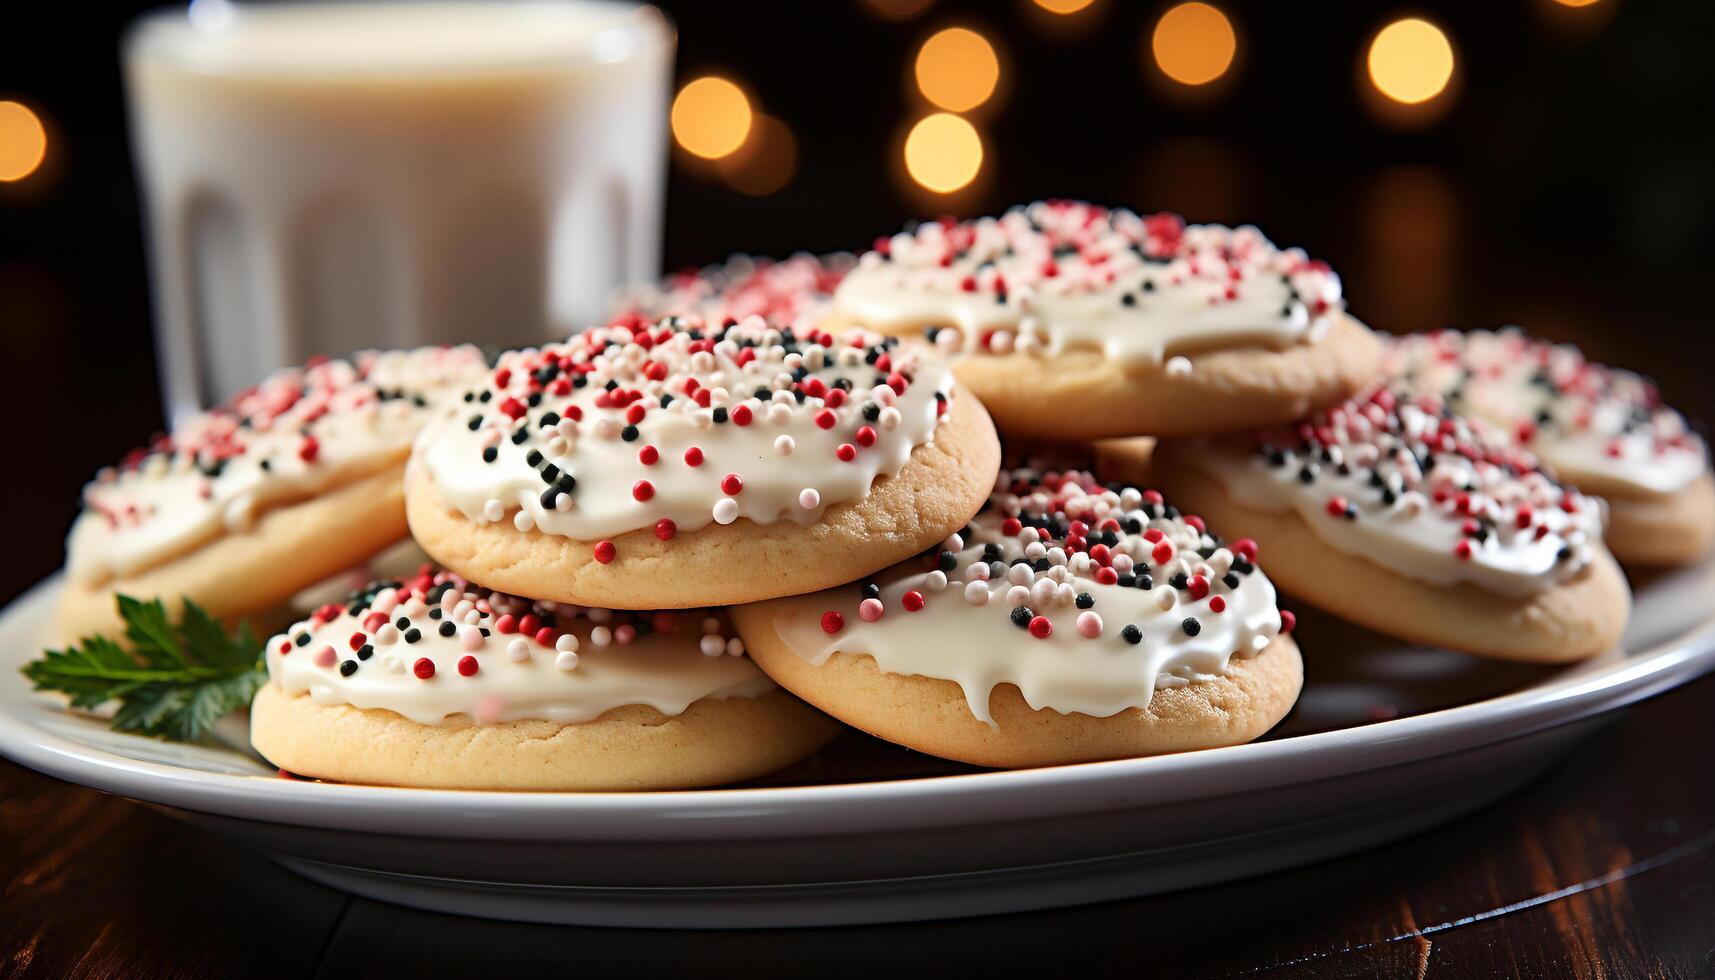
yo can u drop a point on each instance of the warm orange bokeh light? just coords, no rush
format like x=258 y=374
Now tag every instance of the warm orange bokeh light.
x=711 y=117
x=767 y=160
x=1063 y=6
x=1575 y=3
x=897 y=9
x=943 y=152
x=1194 y=43
x=957 y=69
x=23 y=141
x=1411 y=61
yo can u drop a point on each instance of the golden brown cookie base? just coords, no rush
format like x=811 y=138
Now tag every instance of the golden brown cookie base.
x=1663 y=530
x=1095 y=396
x=252 y=573
x=940 y=487
x=930 y=714
x=635 y=747
x=1572 y=621
x=1126 y=460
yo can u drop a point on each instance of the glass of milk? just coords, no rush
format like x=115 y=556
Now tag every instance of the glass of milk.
x=320 y=177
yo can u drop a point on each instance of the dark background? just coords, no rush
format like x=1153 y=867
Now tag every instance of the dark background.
x=1564 y=187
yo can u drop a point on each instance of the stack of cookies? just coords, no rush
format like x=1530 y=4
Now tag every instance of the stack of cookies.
x=671 y=550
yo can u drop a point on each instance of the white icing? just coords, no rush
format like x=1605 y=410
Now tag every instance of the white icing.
x=1590 y=423
x=781 y=453
x=166 y=503
x=1417 y=535
x=1049 y=277
x=964 y=633
x=793 y=292
x=517 y=677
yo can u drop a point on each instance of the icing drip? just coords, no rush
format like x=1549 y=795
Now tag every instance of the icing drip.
x=1404 y=482
x=1592 y=424
x=298 y=433
x=436 y=646
x=1085 y=597
x=674 y=425
x=792 y=292
x=1049 y=277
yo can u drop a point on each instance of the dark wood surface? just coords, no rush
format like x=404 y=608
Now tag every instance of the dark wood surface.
x=1603 y=868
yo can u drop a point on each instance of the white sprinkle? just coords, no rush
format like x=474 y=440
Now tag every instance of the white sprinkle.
x=1166 y=599
x=518 y=650
x=712 y=645
x=1021 y=574
x=890 y=418
x=567 y=643
x=1178 y=367
x=735 y=647
x=493 y=511
x=601 y=636
x=1018 y=595
x=954 y=542
x=784 y=445
x=523 y=521
x=566 y=660
x=935 y=581
x=977 y=593
x=809 y=499
x=1042 y=593
x=726 y=510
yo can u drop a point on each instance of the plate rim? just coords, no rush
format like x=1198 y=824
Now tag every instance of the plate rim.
x=883 y=805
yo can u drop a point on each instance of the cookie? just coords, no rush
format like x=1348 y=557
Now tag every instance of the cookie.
x=676 y=465
x=791 y=292
x=1394 y=512
x=1066 y=315
x=1125 y=460
x=433 y=682
x=1603 y=429
x=1068 y=622
x=241 y=507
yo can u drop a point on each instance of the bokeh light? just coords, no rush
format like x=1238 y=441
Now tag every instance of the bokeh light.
x=1575 y=3
x=943 y=152
x=1063 y=6
x=957 y=69
x=23 y=141
x=711 y=117
x=1194 y=43
x=767 y=160
x=1411 y=61
x=897 y=9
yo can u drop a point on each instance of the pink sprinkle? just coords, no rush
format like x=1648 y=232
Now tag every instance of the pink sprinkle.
x=470 y=638
x=624 y=634
x=325 y=657
x=870 y=610
x=1089 y=624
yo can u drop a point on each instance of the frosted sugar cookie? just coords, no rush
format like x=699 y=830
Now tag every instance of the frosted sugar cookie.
x=791 y=292
x=1072 y=317
x=434 y=682
x=1068 y=622
x=1394 y=512
x=678 y=464
x=1603 y=429
x=241 y=507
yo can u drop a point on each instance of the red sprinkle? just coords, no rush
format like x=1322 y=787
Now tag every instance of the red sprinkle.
x=742 y=414
x=529 y=624
x=832 y=622
x=825 y=419
x=309 y=449
x=506 y=624
x=423 y=668
x=642 y=490
x=865 y=436
x=1245 y=548
x=846 y=452
x=665 y=529
x=1218 y=604
x=467 y=665
x=605 y=551
x=513 y=408
x=648 y=455
x=693 y=456
x=1163 y=552
x=731 y=485
x=912 y=601
x=1463 y=549
x=1288 y=621
x=1336 y=506
x=357 y=640
x=1041 y=628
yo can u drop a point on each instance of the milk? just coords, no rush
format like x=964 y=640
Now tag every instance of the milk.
x=320 y=177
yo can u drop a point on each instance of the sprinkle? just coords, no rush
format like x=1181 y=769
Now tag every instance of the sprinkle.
x=912 y=601
x=1288 y=621
x=1089 y=625
x=566 y=660
x=832 y=622
x=870 y=610
x=605 y=551
x=1040 y=627
x=1178 y=367
x=424 y=668
x=665 y=529
x=725 y=510
x=467 y=666
x=642 y=490
x=977 y=593
x=693 y=456
x=731 y=485
x=784 y=445
x=518 y=651
x=809 y=499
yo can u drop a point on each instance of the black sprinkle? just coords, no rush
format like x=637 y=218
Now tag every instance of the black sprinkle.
x=1191 y=627
x=448 y=629
x=347 y=668
x=1021 y=616
x=1085 y=600
x=413 y=635
x=1131 y=634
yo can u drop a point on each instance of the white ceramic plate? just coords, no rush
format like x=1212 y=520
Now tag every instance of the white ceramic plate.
x=1385 y=742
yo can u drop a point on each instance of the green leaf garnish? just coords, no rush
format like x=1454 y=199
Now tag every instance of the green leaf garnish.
x=174 y=682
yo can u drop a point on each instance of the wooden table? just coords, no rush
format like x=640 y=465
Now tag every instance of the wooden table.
x=1606 y=867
